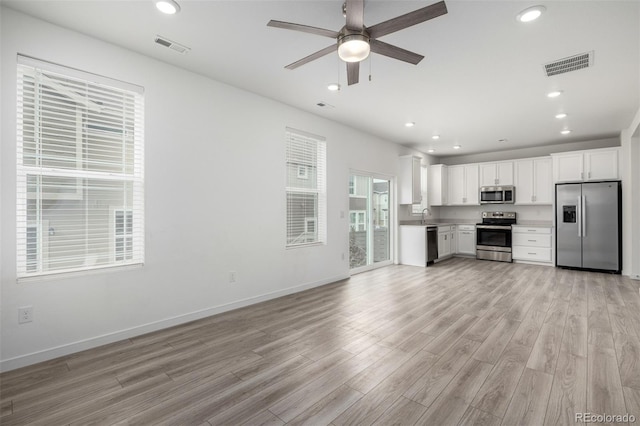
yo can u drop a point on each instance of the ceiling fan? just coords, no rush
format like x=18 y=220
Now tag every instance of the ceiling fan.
x=354 y=41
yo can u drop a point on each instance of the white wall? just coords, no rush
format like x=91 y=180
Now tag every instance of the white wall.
x=630 y=158
x=214 y=203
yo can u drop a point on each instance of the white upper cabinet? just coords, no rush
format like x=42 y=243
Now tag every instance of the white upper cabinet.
x=534 y=181
x=592 y=165
x=500 y=173
x=601 y=164
x=463 y=185
x=410 y=190
x=437 y=185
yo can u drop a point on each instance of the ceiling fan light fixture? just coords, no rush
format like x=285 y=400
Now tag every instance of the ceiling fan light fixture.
x=353 y=47
x=530 y=14
x=435 y=137
x=409 y=124
x=333 y=87
x=457 y=146
x=565 y=132
x=170 y=7
x=561 y=115
x=554 y=94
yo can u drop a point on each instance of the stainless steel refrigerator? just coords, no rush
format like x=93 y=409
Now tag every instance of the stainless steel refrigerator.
x=589 y=226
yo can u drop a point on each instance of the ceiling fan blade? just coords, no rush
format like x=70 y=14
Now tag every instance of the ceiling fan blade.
x=355 y=14
x=313 y=56
x=303 y=28
x=353 y=72
x=395 y=52
x=408 y=20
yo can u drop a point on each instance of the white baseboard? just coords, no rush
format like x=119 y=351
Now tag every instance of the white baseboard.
x=93 y=342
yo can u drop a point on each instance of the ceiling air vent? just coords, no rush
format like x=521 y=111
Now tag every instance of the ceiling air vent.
x=163 y=41
x=572 y=63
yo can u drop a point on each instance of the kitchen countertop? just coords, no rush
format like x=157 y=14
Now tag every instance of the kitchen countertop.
x=445 y=222
x=543 y=223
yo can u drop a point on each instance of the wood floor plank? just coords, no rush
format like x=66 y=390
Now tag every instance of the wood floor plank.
x=264 y=418
x=546 y=349
x=328 y=408
x=379 y=399
x=475 y=417
x=529 y=402
x=604 y=389
x=511 y=343
x=427 y=388
x=305 y=397
x=403 y=412
x=632 y=400
x=628 y=356
x=527 y=333
x=496 y=392
x=492 y=347
x=574 y=338
x=569 y=392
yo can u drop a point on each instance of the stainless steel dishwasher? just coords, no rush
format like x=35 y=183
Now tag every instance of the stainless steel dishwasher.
x=432 y=244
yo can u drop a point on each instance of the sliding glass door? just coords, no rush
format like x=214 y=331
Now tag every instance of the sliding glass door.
x=369 y=221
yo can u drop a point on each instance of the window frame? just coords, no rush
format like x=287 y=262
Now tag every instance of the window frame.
x=38 y=84
x=315 y=187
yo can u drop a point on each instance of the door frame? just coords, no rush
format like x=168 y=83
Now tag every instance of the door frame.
x=392 y=219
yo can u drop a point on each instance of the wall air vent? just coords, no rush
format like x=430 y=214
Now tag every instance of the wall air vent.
x=163 y=41
x=572 y=63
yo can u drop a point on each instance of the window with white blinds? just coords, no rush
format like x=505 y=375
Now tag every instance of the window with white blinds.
x=306 y=189
x=80 y=174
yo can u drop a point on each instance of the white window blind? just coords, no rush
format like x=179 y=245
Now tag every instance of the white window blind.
x=306 y=191
x=80 y=175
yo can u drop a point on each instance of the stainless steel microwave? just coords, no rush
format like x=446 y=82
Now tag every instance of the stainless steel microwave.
x=497 y=195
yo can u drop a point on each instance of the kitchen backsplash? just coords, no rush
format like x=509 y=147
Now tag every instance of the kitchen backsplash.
x=474 y=212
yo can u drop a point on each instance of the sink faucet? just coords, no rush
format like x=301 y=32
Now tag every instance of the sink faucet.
x=426 y=209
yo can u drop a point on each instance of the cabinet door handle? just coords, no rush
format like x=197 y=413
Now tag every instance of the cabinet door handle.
x=581 y=175
x=531 y=230
x=589 y=175
x=532 y=241
x=533 y=254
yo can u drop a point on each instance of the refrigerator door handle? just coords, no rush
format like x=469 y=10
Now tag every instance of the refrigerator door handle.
x=579 y=216
x=584 y=216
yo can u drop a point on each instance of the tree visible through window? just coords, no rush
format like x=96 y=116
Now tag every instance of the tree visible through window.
x=79 y=160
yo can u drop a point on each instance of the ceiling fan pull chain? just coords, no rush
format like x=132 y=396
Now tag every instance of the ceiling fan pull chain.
x=370 y=67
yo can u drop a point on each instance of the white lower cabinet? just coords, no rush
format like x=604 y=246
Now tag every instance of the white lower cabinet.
x=531 y=243
x=444 y=241
x=466 y=239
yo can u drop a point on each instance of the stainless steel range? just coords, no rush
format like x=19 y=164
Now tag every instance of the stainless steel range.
x=493 y=236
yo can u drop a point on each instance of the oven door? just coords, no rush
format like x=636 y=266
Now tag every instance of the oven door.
x=491 y=196
x=493 y=237
x=493 y=243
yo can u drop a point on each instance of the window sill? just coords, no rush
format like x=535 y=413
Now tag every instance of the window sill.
x=50 y=276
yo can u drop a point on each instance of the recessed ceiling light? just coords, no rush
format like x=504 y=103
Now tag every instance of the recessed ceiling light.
x=554 y=94
x=170 y=7
x=431 y=150
x=409 y=124
x=457 y=146
x=530 y=14
x=561 y=115
x=435 y=137
x=333 y=87
x=566 y=132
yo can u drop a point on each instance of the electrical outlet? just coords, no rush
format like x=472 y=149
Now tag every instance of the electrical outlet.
x=232 y=277
x=25 y=314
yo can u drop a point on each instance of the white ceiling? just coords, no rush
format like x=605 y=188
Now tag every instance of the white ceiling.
x=481 y=80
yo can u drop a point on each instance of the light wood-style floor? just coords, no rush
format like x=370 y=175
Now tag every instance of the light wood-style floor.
x=463 y=342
